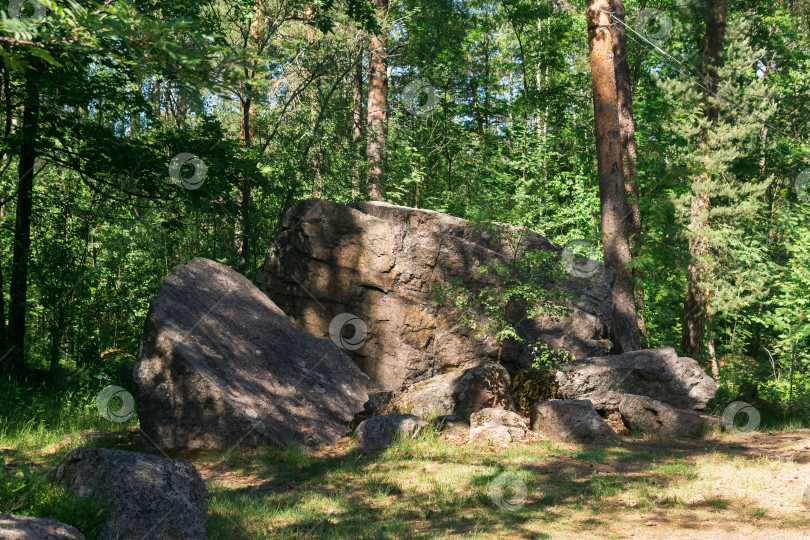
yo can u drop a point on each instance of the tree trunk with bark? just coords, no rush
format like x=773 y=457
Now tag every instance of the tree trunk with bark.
x=314 y=109
x=629 y=155
x=613 y=201
x=697 y=298
x=357 y=118
x=245 y=187
x=4 y=159
x=377 y=107
x=18 y=289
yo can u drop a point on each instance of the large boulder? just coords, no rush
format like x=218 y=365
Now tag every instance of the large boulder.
x=220 y=365
x=496 y=425
x=382 y=263
x=461 y=392
x=569 y=420
x=657 y=373
x=382 y=430
x=653 y=417
x=14 y=527
x=149 y=496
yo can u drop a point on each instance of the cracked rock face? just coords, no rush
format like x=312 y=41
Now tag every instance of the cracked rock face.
x=220 y=365
x=149 y=496
x=382 y=263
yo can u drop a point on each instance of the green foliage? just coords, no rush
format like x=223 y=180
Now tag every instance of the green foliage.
x=29 y=494
x=519 y=287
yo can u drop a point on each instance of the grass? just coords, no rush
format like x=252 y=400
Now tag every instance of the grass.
x=26 y=493
x=431 y=488
x=428 y=488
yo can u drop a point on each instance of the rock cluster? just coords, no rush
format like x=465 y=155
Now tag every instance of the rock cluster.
x=222 y=364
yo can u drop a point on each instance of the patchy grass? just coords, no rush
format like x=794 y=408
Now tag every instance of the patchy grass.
x=429 y=488
x=734 y=486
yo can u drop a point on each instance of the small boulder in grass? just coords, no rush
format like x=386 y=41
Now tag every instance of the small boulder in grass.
x=569 y=420
x=150 y=497
x=14 y=527
x=381 y=430
x=653 y=417
x=496 y=425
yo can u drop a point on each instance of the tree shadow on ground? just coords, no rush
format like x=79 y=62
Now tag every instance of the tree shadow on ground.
x=587 y=482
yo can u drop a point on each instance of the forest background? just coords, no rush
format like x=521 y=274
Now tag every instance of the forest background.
x=137 y=136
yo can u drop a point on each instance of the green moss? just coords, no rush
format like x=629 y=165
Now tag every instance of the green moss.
x=531 y=385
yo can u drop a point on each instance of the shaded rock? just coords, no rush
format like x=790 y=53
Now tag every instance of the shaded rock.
x=220 y=365
x=460 y=392
x=150 y=497
x=14 y=527
x=651 y=416
x=569 y=420
x=382 y=263
x=378 y=401
x=382 y=430
x=491 y=424
x=657 y=373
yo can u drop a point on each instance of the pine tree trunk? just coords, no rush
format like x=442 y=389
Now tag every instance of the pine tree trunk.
x=629 y=156
x=314 y=112
x=357 y=118
x=377 y=108
x=613 y=201
x=18 y=289
x=696 y=301
x=245 y=189
x=710 y=340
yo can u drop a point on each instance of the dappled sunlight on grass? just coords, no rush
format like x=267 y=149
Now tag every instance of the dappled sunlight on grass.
x=429 y=488
x=736 y=487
